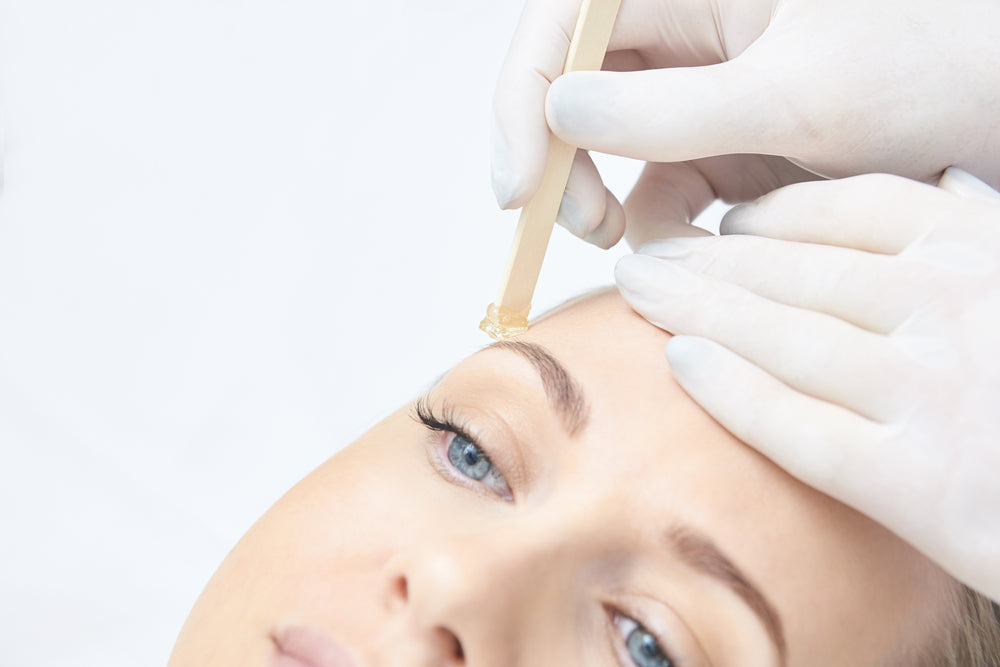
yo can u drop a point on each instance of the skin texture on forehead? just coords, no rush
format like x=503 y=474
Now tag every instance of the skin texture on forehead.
x=832 y=562
x=380 y=551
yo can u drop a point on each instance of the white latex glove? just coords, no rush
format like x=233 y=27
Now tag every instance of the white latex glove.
x=850 y=331
x=840 y=87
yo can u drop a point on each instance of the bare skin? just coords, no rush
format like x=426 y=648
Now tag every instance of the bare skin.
x=570 y=522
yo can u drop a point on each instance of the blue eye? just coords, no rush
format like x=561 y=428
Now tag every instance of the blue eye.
x=468 y=458
x=464 y=457
x=642 y=646
x=644 y=650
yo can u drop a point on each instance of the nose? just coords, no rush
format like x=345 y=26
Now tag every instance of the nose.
x=426 y=598
x=465 y=600
x=413 y=639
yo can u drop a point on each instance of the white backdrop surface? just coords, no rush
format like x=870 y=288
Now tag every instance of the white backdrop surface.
x=233 y=235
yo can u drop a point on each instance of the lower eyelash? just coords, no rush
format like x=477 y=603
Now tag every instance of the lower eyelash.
x=617 y=619
x=445 y=422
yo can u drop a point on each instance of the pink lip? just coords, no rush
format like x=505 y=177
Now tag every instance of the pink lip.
x=299 y=646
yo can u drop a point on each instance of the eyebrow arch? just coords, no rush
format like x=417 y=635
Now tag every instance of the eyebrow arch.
x=694 y=548
x=563 y=392
x=701 y=554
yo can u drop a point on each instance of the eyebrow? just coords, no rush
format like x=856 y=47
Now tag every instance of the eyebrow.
x=693 y=547
x=701 y=554
x=563 y=392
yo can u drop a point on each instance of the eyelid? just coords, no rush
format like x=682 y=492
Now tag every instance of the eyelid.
x=621 y=636
x=445 y=426
x=675 y=646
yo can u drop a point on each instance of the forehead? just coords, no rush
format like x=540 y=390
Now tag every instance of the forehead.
x=670 y=460
x=618 y=359
x=642 y=428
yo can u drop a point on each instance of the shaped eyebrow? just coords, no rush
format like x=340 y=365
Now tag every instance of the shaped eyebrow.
x=701 y=554
x=563 y=392
x=692 y=547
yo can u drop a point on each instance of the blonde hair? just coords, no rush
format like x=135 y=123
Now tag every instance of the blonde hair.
x=973 y=635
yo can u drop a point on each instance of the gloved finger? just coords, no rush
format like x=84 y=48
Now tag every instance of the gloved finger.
x=740 y=178
x=878 y=213
x=612 y=227
x=664 y=201
x=583 y=204
x=813 y=353
x=669 y=115
x=824 y=445
x=520 y=136
x=670 y=195
x=827 y=279
x=874 y=212
x=961 y=182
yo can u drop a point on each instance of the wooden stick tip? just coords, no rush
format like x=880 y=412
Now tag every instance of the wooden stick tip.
x=502 y=323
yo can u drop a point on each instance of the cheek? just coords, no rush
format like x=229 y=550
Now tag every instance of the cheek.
x=319 y=553
x=326 y=541
x=355 y=510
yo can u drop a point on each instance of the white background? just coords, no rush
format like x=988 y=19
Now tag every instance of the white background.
x=233 y=235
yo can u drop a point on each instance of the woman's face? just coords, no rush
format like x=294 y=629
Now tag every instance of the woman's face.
x=563 y=503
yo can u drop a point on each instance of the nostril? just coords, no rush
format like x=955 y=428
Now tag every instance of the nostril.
x=400 y=588
x=450 y=645
x=396 y=593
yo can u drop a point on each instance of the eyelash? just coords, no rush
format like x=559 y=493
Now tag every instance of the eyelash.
x=618 y=618
x=446 y=422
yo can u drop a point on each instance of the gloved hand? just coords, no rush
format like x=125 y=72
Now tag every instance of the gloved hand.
x=840 y=87
x=850 y=331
